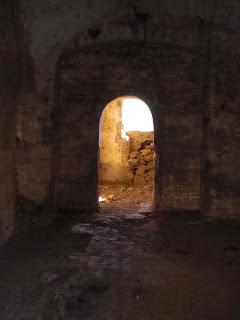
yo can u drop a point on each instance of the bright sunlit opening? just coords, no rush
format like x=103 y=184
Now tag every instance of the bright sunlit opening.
x=136 y=116
x=101 y=199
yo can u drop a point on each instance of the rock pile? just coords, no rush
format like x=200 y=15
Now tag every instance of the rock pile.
x=141 y=163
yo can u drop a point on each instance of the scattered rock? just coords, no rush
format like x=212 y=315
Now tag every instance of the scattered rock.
x=103 y=221
x=106 y=219
x=82 y=228
x=145 y=152
x=141 y=161
x=134 y=216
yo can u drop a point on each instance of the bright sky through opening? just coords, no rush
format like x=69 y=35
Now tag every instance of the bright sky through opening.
x=136 y=116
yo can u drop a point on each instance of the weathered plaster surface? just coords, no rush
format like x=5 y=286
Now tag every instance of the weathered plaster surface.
x=113 y=149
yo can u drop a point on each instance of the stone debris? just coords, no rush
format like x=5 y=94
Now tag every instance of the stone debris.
x=128 y=199
x=106 y=220
x=134 y=216
x=109 y=220
x=82 y=228
x=141 y=162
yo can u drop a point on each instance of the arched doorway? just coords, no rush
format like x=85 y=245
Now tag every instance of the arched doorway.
x=90 y=77
x=126 y=156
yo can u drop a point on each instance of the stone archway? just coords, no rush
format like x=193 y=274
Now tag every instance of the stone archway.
x=90 y=77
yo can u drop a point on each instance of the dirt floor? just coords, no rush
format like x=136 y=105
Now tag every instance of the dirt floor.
x=128 y=266
x=129 y=199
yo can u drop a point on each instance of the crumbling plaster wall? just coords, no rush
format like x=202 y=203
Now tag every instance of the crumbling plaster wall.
x=182 y=25
x=113 y=149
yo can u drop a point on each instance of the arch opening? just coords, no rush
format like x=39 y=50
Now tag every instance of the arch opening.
x=126 y=156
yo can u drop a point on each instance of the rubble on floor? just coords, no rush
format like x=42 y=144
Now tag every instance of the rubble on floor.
x=121 y=268
x=126 y=199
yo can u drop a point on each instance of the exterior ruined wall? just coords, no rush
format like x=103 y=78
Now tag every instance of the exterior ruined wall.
x=113 y=149
x=141 y=157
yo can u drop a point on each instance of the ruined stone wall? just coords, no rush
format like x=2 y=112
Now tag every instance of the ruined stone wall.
x=141 y=157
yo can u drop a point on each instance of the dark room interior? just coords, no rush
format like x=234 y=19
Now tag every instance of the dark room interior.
x=119 y=159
